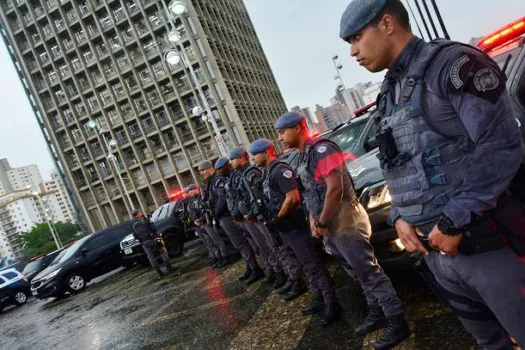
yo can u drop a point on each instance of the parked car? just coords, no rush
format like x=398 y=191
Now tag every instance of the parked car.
x=14 y=288
x=38 y=264
x=169 y=221
x=89 y=257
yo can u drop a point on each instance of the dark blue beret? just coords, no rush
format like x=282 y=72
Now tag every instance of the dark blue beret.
x=205 y=164
x=288 y=120
x=358 y=14
x=236 y=152
x=260 y=145
x=221 y=162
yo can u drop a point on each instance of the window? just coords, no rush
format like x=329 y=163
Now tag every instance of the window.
x=2 y=281
x=9 y=275
x=95 y=243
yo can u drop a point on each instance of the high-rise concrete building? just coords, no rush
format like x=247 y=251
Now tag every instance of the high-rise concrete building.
x=19 y=212
x=13 y=179
x=103 y=60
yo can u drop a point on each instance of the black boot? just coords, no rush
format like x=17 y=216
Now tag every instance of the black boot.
x=224 y=261
x=246 y=274
x=396 y=331
x=270 y=278
x=334 y=311
x=280 y=280
x=256 y=275
x=298 y=288
x=286 y=288
x=374 y=320
x=317 y=305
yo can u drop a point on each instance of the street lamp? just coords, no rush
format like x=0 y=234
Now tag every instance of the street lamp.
x=177 y=55
x=45 y=211
x=110 y=145
x=209 y=117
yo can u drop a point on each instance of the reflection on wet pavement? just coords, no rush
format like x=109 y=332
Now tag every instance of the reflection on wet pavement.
x=201 y=308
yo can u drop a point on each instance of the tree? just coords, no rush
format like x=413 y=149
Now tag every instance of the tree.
x=40 y=241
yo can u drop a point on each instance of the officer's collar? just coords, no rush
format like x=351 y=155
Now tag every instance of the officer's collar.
x=404 y=58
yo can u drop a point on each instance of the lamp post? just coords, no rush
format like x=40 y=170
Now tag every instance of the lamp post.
x=110 y=146
x=177 y=55
x=45 y=211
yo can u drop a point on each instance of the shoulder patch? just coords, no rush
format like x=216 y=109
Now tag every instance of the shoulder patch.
x=486 y=80
x=321 y=149
x=288 y=174
x=455 y=77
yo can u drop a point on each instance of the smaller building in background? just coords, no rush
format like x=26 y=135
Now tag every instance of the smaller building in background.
x=55 y=187
x=13 y=179
x=370 y=93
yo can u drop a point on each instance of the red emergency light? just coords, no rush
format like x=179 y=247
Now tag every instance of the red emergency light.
x=176 y=194
x=503 y=35
x=359 y=112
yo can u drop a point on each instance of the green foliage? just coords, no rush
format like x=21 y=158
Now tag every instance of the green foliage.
x=40 y=241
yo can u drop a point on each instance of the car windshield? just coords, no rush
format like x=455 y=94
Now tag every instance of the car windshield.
x=70 y=251
x=59 y=256
x=347 y=137
x=33 y=266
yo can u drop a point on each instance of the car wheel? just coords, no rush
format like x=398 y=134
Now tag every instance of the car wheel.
x=75 y=283
x=20 y=298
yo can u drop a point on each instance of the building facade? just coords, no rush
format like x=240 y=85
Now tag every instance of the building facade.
x=103 y=61
x=14 y=179
x=55 y=187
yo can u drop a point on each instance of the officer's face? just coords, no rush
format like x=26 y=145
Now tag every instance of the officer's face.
x=206 y=173
x=236 y=163
x=289 y=136
x=371 y=47
x=260 y=159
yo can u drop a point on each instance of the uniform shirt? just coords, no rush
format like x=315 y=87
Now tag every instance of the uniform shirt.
x=195 y=211
x=282 y=179
x=218 y=196
x=327 y=158
x=143 y=229
x=465 y=94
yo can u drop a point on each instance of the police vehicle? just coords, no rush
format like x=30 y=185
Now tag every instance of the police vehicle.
x=506 y=46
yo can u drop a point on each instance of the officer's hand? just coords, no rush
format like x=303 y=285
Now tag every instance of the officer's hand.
x=408 y=236
x=446 y=244
x=313 y=227
x=323 y=232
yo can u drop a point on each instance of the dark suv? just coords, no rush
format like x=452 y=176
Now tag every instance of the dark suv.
x=89 y=257
x=169 y=221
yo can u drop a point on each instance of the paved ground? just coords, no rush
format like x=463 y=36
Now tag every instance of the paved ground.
x=201 y=308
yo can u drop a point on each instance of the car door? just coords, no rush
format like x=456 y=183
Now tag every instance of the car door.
x=97 y=256
x=4 y=290
x=112 y=239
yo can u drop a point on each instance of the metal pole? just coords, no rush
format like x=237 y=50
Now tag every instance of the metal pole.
x=423 y=20
x=113 y=159
x=440 y=19
x=415 y=19
x=427 y=10
x=53 y=233
x=187 y=63
x=339 y=77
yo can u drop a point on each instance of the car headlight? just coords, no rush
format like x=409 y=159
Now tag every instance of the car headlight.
x=378 y=196
x=51 y=275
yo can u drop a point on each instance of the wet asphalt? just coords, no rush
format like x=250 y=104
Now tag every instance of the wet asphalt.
x=198 y=307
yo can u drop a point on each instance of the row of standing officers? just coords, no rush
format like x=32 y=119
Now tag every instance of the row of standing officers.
x=274 y=209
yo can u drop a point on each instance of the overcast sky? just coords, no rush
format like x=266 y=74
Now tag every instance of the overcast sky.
x=299 y=38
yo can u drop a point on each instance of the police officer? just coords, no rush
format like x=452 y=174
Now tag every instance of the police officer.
x=449 y=148
x=208 y=224
x=253 y=207
x=336 y=215
x=239 y=204
x=220 y=212
x=194 y=210
x=283 y=202
x=144 y=230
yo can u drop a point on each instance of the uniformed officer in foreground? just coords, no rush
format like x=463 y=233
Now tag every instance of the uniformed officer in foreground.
x=449 y=149
x=283 y=201
x=194 y=208
x=144 y=230
x=336 y=215
x=238 y=202
x=208 y=222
